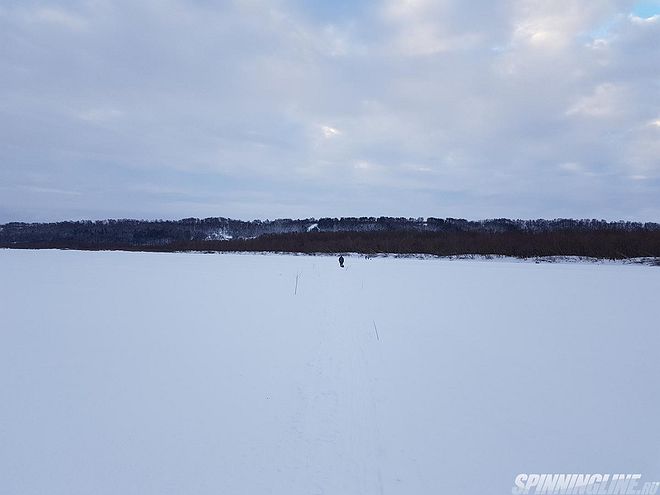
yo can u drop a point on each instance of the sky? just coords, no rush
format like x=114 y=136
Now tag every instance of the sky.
x=298 y=108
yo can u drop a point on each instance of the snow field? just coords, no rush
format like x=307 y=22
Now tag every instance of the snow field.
x=140 y=373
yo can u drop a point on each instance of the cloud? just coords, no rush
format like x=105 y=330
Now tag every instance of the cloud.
x=46 y=16
x=607 y=100
x=256 y=108
x=329 y=132
x=59 y=17
x=99 y=115
x=645 y=20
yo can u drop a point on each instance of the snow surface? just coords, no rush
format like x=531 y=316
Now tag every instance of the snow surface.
x=134 y=373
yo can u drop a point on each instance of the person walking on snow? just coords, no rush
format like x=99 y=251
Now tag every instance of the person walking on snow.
x=341 y=261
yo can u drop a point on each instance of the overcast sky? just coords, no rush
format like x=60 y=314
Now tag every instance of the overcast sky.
x=298 y=108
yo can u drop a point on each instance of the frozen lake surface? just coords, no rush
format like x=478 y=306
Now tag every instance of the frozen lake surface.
x=135 y=373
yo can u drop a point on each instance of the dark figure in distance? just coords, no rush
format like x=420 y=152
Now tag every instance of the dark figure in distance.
x=341 y=261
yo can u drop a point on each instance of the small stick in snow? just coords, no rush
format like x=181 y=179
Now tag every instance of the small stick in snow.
x=376 y=328
x=295 y=291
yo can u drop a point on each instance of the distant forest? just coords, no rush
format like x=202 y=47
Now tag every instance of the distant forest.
x=366 y=235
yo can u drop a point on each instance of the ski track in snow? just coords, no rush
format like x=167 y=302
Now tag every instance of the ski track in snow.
x=337 y=419
x=143 y=373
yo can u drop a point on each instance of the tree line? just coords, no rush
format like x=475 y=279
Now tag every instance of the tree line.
x=441 y=237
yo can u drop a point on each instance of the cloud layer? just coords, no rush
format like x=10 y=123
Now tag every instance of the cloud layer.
x=255 y=108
